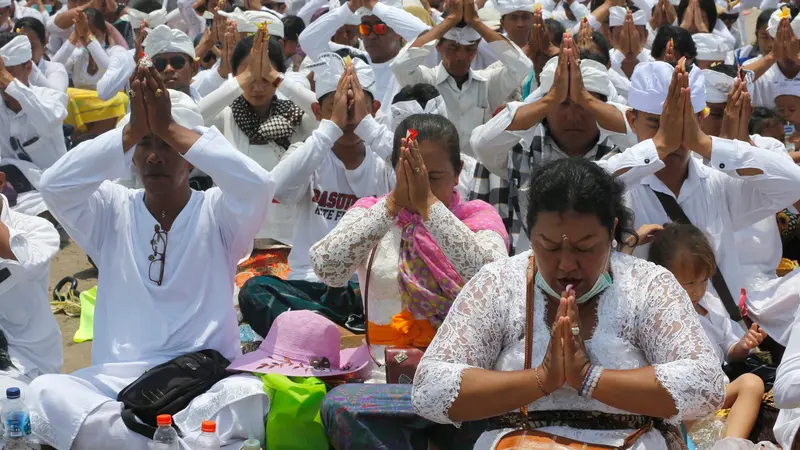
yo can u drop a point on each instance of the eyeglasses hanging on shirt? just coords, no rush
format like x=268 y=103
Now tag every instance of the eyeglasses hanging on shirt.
x=19 y=147
x=159 y=244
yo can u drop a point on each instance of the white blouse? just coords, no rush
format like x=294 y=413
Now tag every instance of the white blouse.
x=76 y=60
x=645 y=318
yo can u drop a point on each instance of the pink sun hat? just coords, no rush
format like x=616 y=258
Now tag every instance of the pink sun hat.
x=303 y=344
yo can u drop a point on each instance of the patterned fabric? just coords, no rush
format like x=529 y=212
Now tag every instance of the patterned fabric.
x=277 y=127
x=588 y=420
x=787 y=224
x=264 y=262
x=428 y=281
x=380 y=416
x=504 y=195
x=84 y=107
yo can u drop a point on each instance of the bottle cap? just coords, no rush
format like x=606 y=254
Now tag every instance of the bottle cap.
x=209 y=426
x=12 y=393
x=251 y=444
x=164 y=420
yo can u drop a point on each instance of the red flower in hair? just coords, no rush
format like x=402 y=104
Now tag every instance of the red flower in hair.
x=412 y=135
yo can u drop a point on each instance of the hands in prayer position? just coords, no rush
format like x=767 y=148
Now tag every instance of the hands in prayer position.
x=786 y=47
x=412 y=191
x=738 y=110
x=540 y=48
x=663 y=14
x=259 y=66
x=230 y=38
x=568 y=82
x=566 y=359
x=693 y=18
x=151 y=108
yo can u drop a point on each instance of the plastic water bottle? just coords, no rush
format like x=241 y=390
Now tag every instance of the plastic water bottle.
x=788 y=131
x=165 y=437
x=208 y=440
x=16 y=421
x=251 y=444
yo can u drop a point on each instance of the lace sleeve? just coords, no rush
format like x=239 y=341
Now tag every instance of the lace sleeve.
x=674 y=342
x=336 y=257
x=471 y=336
x=467 y=250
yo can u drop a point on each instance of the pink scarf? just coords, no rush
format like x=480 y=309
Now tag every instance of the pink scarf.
x=428 y=281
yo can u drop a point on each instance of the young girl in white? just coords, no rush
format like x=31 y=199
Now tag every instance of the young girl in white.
x=686 y=252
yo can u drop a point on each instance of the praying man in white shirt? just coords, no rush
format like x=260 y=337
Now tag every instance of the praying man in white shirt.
x=471 y=96
x=732 y=187
x=31 y=120
x=167 y=258
x=345 y=159
x=29 y=330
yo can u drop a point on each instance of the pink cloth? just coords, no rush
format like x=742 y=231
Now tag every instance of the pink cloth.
x=428 y=281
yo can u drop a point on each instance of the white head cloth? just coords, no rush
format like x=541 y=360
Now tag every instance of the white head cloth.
x=787 y=87
x=509 y=6
x=711 y=47
x=247 y=21
x=401 y=110
x=728 y=7
x=775 y=20
x=163 y=39
x=352 y=18
x=594 y=75
x=463 y=36
x=329 y=68
x=616 y=16
x=185 y=111
x=5 y=3
x=360 y=12
x=718 y=85
x=154 y=19
x=17 y=51
x=650 y=84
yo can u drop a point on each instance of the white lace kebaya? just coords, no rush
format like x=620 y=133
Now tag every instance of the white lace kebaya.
x=645 y=318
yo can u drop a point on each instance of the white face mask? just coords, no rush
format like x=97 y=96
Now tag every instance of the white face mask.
x=601 y=284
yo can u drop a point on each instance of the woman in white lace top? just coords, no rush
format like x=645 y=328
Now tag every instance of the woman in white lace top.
x=623 y=324
x=429 y=243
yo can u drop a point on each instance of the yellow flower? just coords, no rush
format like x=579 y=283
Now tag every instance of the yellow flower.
x=538 y=7
x=785 y=13
x=706 y=111
x=347 y=61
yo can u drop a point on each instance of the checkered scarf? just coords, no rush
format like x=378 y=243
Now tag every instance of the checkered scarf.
x=277 y=127
x=522 y=161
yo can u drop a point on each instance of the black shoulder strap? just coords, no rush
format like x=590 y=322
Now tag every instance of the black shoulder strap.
x=676 y=214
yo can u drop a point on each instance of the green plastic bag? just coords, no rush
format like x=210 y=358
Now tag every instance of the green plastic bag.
x=85 y=331
x=294 y=421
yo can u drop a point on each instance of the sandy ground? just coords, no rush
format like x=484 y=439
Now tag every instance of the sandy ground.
x=71 y=261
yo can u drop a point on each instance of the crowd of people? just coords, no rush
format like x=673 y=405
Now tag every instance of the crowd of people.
x=554 y=221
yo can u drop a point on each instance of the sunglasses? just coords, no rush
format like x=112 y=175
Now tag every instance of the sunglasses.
x=379 y=29
x=177 y=63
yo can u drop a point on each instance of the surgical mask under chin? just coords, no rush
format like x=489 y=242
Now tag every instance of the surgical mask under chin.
x=602 y=283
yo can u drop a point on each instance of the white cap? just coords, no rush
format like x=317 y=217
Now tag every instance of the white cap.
x=163 y=39
x=787 y=87
x=509 y=6
x=401 y=110
x=154 y=19
x=329 y=68
x=650 y=85
x=17 y=51
x=711 y=47
x=185 y=111
x=777 y=16
x=247 y=21
x=616 y=16
x=463 y=36
x=5 y=3
x=594 y=75
x=718 y=86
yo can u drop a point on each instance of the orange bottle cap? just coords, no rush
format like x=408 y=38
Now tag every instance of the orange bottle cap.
x=209 y=426
x=164 y=419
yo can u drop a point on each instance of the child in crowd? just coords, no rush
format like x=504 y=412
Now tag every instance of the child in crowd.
x=686 y=252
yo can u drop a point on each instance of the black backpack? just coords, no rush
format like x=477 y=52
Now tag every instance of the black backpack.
x=169 y=388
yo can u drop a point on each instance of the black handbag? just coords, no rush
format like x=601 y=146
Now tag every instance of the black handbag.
x=169 y=388
x=16 y=179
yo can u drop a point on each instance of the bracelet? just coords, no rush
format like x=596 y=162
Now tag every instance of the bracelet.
x=590 y=381
x=539 y=382
x=595 y=379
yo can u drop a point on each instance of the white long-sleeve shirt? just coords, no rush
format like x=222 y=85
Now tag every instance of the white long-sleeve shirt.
x=34 y=340
x=311 y=177
x=215 y=108
x=718 y=200
x=787 y=391
x=121 y=66
x=137 y=320
x=76 y=60
x=49 y=74
x=484 y=91
x=316 y=39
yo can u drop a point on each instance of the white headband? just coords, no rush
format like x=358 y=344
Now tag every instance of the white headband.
x=650 y=84
x=163 y=39
x=247 y=21
x=463 y=36
x=401 y=110
x=594 y=75
x=329 y=68
x=776 y=18
x=711 y=47
x=5 y=3
x=17 y=51
x=787 y=87
x=509 y=6
x=154 y=19
x=616 y=16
